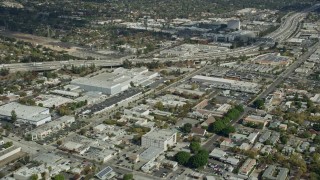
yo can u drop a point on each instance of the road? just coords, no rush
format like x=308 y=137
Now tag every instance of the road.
x=285 y=74
x=287 y=28
x=209 y=145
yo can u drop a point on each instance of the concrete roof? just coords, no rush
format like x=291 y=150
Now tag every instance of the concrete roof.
x=31 y=113
x=159 y=134
x=151 y=153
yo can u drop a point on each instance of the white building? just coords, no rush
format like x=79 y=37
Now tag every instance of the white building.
x=52 y=100
x=117 y=81
x=159 y=138
x=28 y=114
x=53 y=126
x=25 y=173
x=228 y=83
x=139 y=111
x=5 y=153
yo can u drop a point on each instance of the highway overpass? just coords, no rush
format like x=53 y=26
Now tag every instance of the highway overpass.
x=285 y=31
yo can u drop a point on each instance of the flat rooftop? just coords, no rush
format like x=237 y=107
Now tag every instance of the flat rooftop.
x=150 y=153
x=226 y=81
x=159 y=134
x=31 y=113
x=115 y=78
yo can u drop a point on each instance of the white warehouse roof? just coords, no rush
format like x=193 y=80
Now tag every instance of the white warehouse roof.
x=226 y=81
x=29 y=113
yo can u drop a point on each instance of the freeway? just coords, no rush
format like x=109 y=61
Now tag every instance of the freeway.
x=285 y=31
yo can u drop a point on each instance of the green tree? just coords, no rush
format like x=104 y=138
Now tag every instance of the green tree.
x=186 y=128
x=259 y=103
x=159 y=105
x=216 y=127
x=4 y=71
x=182 y=157
x=7 y=144
x=227 y=130
x=13 y=116
x=316 y=139
x=128 y=177
x=127 y=64
x=199 y=160
x=34 y=177
x=195 y=147
x=284 y=138
x=58 y=177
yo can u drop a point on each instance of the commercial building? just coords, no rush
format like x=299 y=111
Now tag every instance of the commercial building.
x=273 y=59
x=28 y=114
x=230 y=37
x=256 y=120
x=91 y=97
x=25 y=173
x=79 y=148
x=65 y=93
x=150 y=154
x=53 y=126
x=168 y=100
x=139 y=111
x=275 y=173
x=228 y=84
x=52 y=100
x=105 y=173
x=117 y=81
x=99 y=154
x=10 y=151
x=221 y=155
x=159 y=138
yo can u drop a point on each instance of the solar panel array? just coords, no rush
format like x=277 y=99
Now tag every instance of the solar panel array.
x=104 y=172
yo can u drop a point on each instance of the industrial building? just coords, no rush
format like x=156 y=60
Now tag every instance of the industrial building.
x=159 y=138
x=49 y=100
x=28 y=114
x=117 y=81
x=228 y=84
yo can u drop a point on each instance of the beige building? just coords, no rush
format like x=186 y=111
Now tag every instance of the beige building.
x=159 y=138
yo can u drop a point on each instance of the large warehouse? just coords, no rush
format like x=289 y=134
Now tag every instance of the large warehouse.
x=117 y=81
x=28 y=114
x=228 y=84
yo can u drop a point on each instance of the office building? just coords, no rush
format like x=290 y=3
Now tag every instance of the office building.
x=159 y=138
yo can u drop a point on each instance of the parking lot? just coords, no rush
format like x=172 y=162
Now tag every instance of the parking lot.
x=111 y=101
